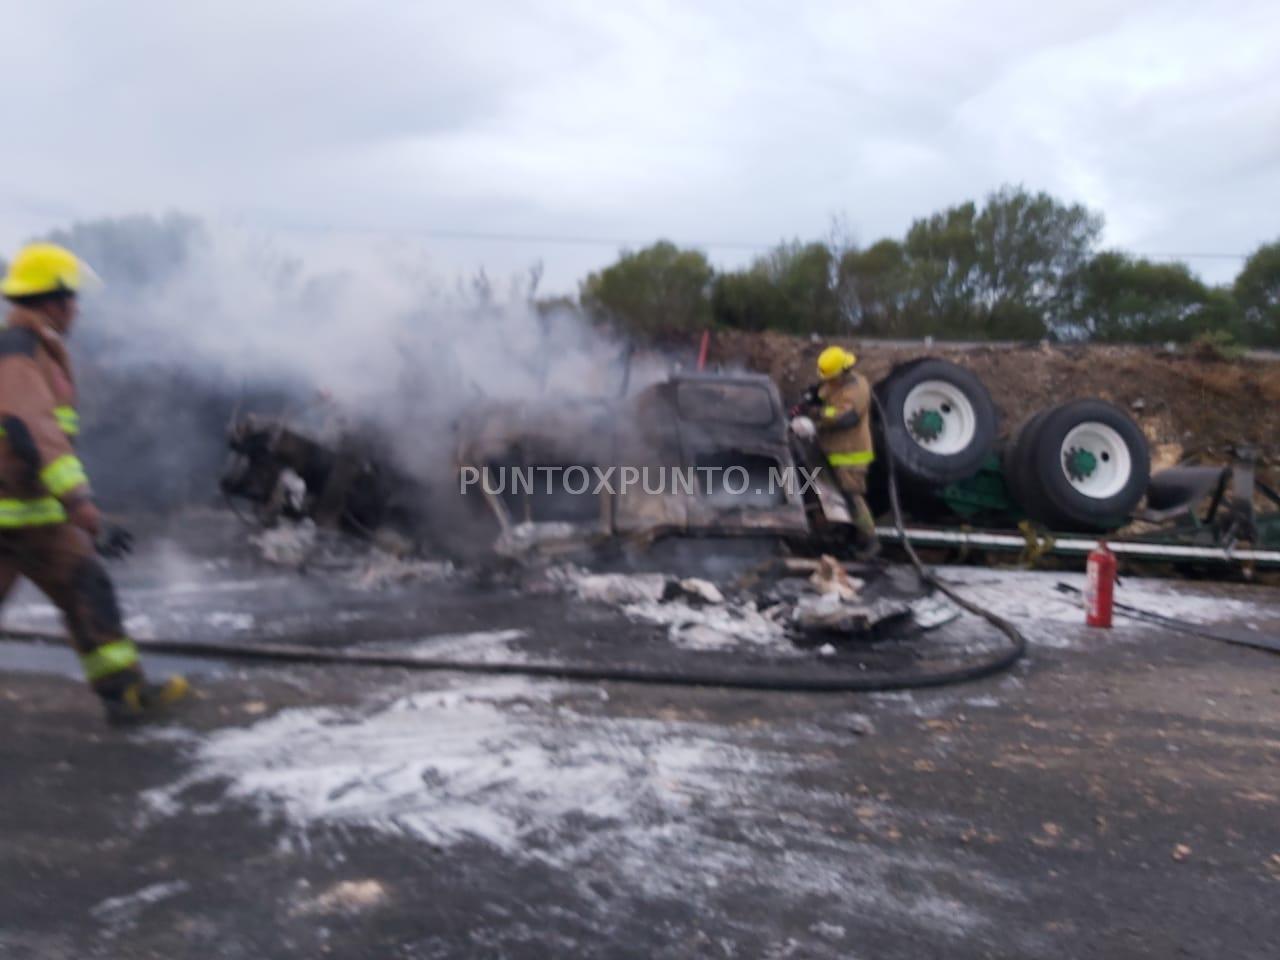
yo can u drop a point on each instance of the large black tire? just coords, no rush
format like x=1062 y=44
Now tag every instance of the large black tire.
x=1107 y=453
x=968 y=426
x=1016 y=461
x=1183 y=486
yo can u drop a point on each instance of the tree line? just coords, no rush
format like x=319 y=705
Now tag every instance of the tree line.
x=1020 y=266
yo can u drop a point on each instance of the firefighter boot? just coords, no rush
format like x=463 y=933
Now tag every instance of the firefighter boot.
x=867 y=548
x=865 y=541
x=142 y=701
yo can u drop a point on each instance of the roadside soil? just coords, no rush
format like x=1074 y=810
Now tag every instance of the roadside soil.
x=1193 y=406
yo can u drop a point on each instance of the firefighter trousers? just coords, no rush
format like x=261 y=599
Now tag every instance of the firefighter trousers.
x=60 y=559
x=853 y=483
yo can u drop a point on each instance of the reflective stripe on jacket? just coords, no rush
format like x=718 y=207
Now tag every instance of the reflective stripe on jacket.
x=68 y=419
x=31 y=513
x=858 y=458
x=39 y=469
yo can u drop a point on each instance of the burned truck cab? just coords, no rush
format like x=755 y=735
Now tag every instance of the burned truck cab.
x=694 y=455
x=720 y=443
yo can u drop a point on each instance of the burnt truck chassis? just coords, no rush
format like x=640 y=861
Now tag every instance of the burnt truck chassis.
x=692 y=425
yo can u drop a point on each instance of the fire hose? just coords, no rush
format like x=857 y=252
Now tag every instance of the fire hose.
x=1182 y=626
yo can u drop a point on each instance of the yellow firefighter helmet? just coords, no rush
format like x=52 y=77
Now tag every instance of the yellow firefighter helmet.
x=45 y=268
x=834 y=361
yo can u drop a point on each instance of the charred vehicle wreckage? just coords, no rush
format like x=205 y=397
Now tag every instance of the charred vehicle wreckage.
x=718 y=462
x=714 y=456
x=563 y=476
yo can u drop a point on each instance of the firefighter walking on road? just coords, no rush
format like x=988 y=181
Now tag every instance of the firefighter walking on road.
x=48 y=520
x=843 y=422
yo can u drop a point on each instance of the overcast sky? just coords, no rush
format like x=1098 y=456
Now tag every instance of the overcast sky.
x=715 y=123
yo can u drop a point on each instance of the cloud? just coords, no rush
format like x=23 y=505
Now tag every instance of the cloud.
x=745 y=122
x=1153 y=121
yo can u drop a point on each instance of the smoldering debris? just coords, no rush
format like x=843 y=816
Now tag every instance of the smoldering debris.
x=831 y=579
x=303 y=547
x=831 y=613
x=716 y=627
x=695 y=456
x=695 y=612
x=287 y=545
x=694 y=590
x=779 y=618
x=612 y=588
x=836 y=603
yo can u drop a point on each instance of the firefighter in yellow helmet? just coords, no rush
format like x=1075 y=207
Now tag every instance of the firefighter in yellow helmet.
x=48 y=520
x=841 y=408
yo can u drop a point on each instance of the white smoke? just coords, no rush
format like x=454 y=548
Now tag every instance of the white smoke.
x=242 y=305
x=369 y=330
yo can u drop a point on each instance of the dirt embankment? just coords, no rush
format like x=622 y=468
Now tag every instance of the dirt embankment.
x=1192 y=406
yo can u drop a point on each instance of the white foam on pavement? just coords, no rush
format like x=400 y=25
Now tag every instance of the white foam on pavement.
x=654 y=807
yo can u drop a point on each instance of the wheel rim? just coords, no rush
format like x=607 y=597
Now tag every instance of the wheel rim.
x=1096 y=460
x=939 y=417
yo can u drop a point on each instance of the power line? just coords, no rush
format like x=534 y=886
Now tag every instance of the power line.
x=1190 y=256
x=570 y=240
x=621 y=243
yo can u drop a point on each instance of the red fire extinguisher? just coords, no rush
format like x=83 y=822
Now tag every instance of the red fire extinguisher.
x=1100 y=586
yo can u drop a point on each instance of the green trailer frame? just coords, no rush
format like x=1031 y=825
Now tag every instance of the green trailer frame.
x=1229 y=530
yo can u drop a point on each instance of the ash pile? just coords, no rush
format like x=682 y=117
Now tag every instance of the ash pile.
x=788 y=608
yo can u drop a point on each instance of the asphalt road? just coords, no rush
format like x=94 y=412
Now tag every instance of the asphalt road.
x=1114 y=796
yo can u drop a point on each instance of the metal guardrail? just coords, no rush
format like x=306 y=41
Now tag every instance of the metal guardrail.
x=1082 y=546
